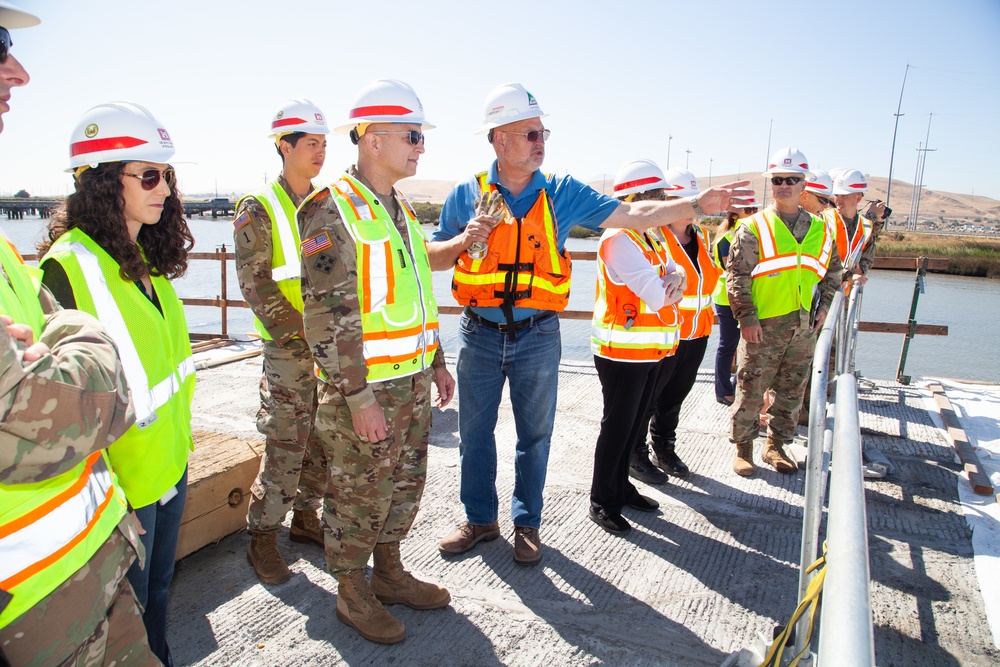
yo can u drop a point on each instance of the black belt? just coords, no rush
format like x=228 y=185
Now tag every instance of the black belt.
x=503 y=327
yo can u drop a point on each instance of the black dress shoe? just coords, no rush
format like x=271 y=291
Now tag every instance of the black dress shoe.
x=643 y=503
x=613 y=523
x=669 y=463
x=725 y=400
x=640 y=468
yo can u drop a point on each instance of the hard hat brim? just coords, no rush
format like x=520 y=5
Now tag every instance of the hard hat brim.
x=486 y=127
x=347 y=127
x=12 y=16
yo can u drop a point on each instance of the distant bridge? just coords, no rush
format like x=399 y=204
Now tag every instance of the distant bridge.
x=16 y=208
x=218 y=206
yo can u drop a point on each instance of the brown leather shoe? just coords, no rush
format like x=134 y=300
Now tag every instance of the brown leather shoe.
x=392 y=584
x=527 y=546
x=743 y=463
x=467 y=536
x=358 y=608
x=306 y=527
x=774 y=455
x=265 y=558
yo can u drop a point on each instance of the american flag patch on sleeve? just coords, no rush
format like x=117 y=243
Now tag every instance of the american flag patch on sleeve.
x=316 y=244
x=241 y=221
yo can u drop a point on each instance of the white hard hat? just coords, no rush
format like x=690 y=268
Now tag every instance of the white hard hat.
x=681 y=183
x=506 y=104
x=820 y=184
x=745 y=202
x=118 y=131
x=638 y=176
x=12 y=16
x=298 y=116
x=849 y=181
x=788 y=160
x=385 y=101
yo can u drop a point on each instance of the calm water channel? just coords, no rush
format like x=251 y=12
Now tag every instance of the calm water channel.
x=968 y=306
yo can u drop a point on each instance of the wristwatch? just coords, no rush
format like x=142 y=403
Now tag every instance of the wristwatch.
x=697 y=209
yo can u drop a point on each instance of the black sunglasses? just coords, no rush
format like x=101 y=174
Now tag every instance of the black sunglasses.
x=533 y=135
x=5 y=44
x=790 y=180
x=415 y=136
x=822 y=200
x=151 y=177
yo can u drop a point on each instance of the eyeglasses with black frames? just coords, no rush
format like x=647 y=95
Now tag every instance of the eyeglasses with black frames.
x=790 y=180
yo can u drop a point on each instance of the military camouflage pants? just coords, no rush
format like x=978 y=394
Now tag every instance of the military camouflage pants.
x=293 y=469
x=375 y=487
x=781 y=362
x=88 y=620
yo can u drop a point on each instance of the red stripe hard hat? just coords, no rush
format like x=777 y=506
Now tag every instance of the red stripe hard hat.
x=385 y=101
x=298 y=116
x=118 y=131
x=638 y=176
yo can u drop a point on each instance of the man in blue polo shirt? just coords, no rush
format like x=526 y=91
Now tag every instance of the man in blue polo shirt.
x=512 y=275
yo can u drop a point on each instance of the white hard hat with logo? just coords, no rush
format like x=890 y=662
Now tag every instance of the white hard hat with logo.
x=681 y=183
x=385 y=101
x=118 y=131
x=820 y=184
x=298 y=116
x=789 y=160
x=638 y=176
x=506 y=104
x=12 y=16
x=849 y=181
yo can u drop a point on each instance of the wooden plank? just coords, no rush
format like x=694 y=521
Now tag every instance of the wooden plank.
x=220 y=472
x=956 y=434
x=909 y=263
x=893 y=327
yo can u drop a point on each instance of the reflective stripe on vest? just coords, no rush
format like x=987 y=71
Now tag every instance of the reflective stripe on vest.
x=156 y=356
x=50 y=529
x=286 y=267
x=787 y=272
x=19 y=292
x=398 y=311
x=624 y=327
x=523 y=266
x=697 y=316
x=850 y=249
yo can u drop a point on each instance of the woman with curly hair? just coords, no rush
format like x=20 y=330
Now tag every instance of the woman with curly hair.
x=112 y=250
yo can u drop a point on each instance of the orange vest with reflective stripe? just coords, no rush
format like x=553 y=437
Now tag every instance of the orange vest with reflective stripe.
x=523 y=266
x=624 y=328
x=849 y=247
x=697 y=316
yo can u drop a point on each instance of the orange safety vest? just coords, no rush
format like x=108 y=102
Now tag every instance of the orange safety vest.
x=697 y=316
x=849 y=249
x=523 y=267
x=624 y=328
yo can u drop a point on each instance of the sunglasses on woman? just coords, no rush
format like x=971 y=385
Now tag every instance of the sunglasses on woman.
x=415 y=137
x=150 y=178
x=5 y=44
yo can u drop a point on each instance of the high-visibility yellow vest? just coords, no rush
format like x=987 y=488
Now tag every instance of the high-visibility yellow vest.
x=523 y=265
x=399 y=315
x=624 y=327
x=787 y=272
x=50 y=529
x=19 y=293
x=155 y=351
x=695 y=307
x=849 y=247
x=720 y=296
x=286 y=268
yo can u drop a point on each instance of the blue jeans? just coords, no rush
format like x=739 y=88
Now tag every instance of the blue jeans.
x=162 y=524
x=530 y=364
x=729 y=340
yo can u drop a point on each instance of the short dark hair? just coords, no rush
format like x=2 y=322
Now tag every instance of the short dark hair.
x=292 y=138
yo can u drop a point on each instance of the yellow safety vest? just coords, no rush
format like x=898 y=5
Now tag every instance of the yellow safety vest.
x=286 y=269
x=624 y=327
x=155 y=351
x=399 y=315
x=787 y=272
x=19 y=293
x=720 y=296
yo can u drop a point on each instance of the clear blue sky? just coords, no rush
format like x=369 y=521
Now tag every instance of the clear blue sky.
x=615 y=78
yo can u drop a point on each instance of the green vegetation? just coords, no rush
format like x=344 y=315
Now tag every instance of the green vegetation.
x=427 y=214
x=966 y=255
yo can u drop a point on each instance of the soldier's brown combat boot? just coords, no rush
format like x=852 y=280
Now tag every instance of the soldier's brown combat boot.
x=743 y=463
x=306 y=527
x=774 y=455
x=358 y=608
x=392 y=584
x=265 y=558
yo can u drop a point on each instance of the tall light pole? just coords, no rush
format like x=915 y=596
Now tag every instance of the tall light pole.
x=710 y=160
x=892 y=152
x=670 y=138
x=687 y=161
x=770 y=125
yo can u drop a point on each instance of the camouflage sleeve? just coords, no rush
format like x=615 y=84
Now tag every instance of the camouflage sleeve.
x=58 y=410
x=438 y=359
x=743 y=257
x=252 y=236
x=831 y=281
x=332 y=310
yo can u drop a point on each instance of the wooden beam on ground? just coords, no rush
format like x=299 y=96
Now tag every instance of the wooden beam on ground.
x=956 y=434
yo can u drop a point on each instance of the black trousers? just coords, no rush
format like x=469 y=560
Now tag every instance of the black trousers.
x=672 y=386
x=628 y=389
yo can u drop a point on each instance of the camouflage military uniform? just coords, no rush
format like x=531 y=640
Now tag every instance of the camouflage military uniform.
x=92 y=618
x=783 y=360
x=375 y=487
x=293 y=469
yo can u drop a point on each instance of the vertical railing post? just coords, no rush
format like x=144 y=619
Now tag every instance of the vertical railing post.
x=221 y=253
x=918 y=288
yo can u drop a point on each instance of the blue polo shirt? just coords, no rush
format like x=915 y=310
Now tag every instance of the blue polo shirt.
x=574 y=204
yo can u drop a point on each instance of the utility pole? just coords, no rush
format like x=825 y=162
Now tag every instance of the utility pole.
x=670 y=138
x=892 y=152
x=687 y=161
x=710 y=160
x=770 y=126
x=922 y=162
